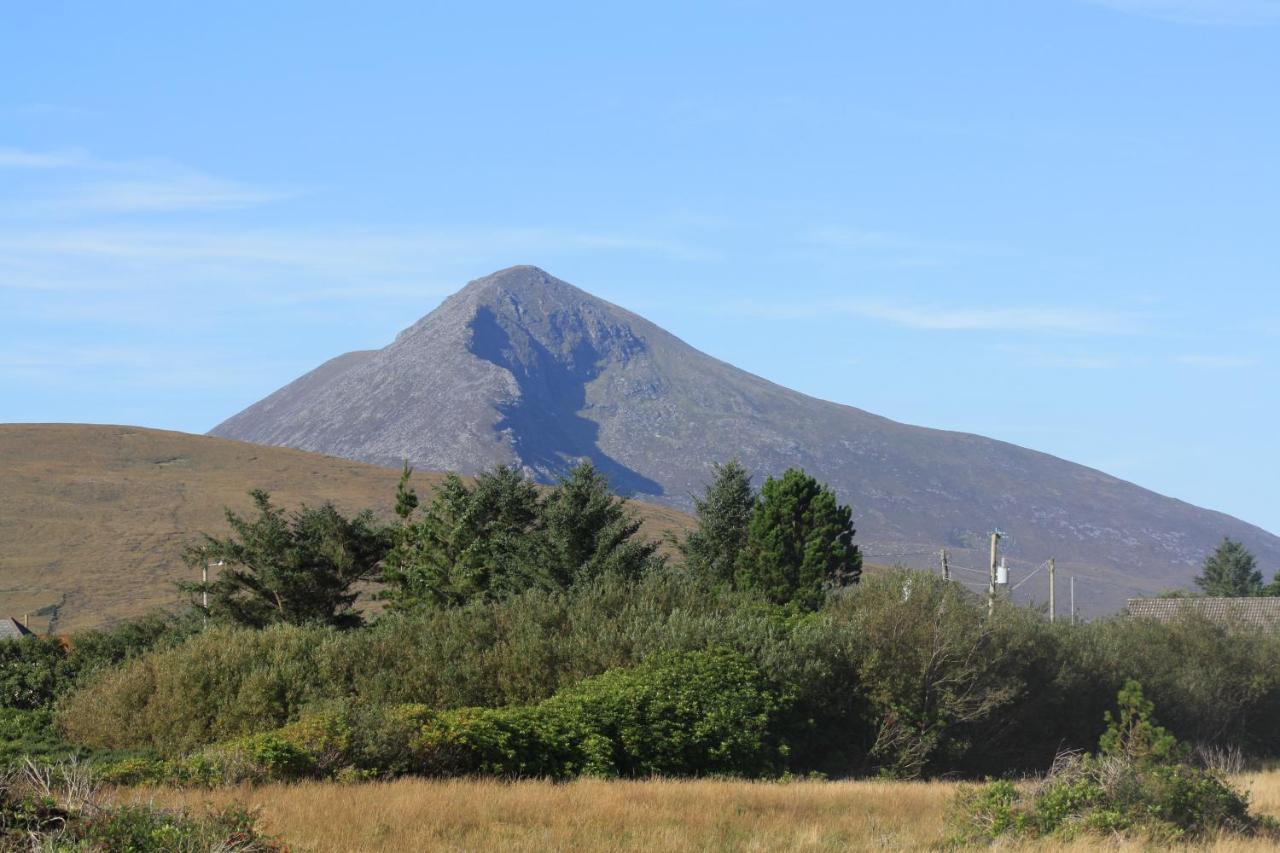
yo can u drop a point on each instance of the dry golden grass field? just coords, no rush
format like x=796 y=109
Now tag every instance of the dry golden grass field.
x=415 y=814
x=93 y=519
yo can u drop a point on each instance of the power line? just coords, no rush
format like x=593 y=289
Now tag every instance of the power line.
x=1030 y=576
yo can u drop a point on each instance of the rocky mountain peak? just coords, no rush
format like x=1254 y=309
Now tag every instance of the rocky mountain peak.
x=522 y=368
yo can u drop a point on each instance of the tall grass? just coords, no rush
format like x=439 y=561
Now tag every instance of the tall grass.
x=656 y=815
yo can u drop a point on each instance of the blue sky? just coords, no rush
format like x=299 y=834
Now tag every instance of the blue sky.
x=1052 y=222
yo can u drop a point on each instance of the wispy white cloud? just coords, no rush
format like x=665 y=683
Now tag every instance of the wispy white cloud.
x=965 y=319
x=1081 y=362
x=1209 y=12
x=900 y=249
x=1217 y=361
x=135 y=276
x=99 y=186
x=182 y=191
x=1029 y=319
x=19 y=158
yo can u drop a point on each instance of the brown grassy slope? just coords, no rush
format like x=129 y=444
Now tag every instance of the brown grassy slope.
x=93 y=518
x=417 y=814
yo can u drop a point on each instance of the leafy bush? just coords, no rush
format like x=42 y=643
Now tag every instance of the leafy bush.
x=682 y=714
x=257 y=758
x=223 y=683
x=56 y=807
x=93 y=651
x=1138 y=784
x=226 y=683
x=674 y=715
x=903 y=674
x=31 y=734
x=33 y=672
x=144 y=828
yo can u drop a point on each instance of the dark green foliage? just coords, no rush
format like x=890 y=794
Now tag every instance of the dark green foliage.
x=799 y=542
x=680 y=714
x=1132 y=733
x=498 y=538
x=406 y=497
x=143 y=828
x=108 y=647
x=50 y=807
x=724 y=515
x=933 y=671
x=587 y=532
x=903 y=674
x=30 y=734
x=471 y=542
x=1230 y=571
x=33 y=671
x=223 y=683
x=294 y=568
x=1138 y=785
x=674 y=715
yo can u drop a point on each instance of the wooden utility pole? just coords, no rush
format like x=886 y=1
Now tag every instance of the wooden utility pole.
x=1053 y=601
x=946 y=566
x=991 y=582
x=1073 y=599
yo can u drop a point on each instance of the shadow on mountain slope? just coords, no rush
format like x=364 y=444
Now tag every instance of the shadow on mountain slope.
x=546 y=424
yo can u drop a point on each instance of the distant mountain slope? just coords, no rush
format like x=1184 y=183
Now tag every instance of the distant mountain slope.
x=520 y=367
x=93 y=519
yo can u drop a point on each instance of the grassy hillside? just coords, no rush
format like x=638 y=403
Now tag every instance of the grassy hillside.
x=93 y=518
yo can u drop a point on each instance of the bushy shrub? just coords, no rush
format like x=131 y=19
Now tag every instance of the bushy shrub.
x=145 y=828
x=903 y=674
x=226 y=683
x=1085 y=793
x=55 y=807
x=1138 y=784
x=30 y=734
x=33 y=672
x=675 y=715
x=266 y=757
x=93 y=651
x=223 y=683
x=685 y=714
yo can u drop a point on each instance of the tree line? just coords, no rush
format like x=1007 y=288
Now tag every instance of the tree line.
x=499 y=535
x=535 y=631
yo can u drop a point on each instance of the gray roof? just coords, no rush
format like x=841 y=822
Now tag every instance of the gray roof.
x=12 y=629
x=1262 y=613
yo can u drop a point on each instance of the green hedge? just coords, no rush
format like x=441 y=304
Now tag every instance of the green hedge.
x=684 y=714
x=903 y=675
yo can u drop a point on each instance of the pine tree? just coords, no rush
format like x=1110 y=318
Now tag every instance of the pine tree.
x=1230 y=571
x=470 y=542
x=724 y=514
x=295 y=567
x=799 y=542
x=587 y=532
x=406 y=496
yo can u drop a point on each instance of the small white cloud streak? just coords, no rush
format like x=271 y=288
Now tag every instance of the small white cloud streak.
x=333 y=253
x=929 y=318
x=907 y=249
x=1205 y=12
x=1217 y=361
x=155 y=195
x=115 y=187
x=17 y=158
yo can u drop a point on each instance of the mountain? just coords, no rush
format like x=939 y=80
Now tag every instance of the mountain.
x=93 y=519
x=522 y=368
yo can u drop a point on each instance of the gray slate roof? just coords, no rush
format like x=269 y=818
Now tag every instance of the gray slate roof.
x=1262 y=613
x=12 y=629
